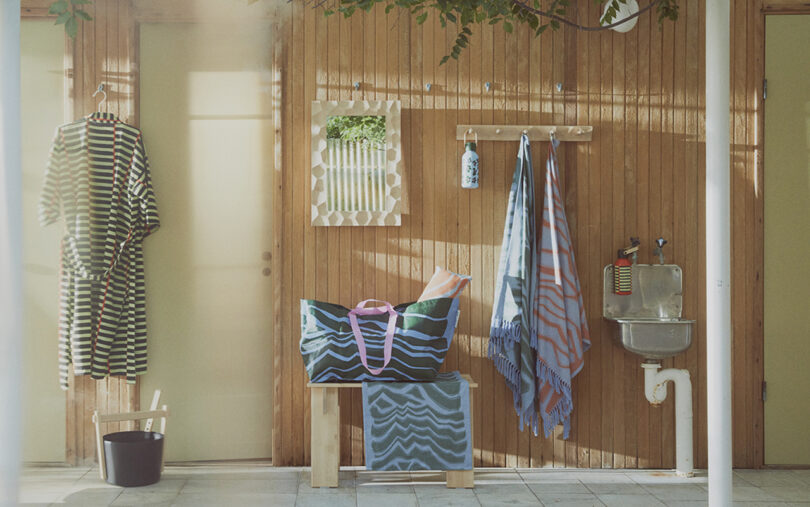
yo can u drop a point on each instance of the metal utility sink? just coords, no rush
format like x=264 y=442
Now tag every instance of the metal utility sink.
x=649 y=320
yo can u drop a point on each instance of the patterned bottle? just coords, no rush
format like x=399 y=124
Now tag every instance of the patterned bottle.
x=469 y=167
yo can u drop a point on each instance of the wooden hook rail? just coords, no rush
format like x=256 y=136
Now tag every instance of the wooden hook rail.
x=535 y=132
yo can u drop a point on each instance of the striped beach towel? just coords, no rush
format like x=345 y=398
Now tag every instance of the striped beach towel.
x=418 y=425
x=538 y=333
x=559 y=328
x=509 y=340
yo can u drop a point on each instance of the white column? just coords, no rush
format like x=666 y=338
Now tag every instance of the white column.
x=718 y=252
x=10 y=252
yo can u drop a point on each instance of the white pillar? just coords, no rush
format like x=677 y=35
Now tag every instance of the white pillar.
x=10 y=252
x=718 y=252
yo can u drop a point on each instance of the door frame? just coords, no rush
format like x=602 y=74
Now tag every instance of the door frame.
x=81 y=70
x=180 y=11
x=769 y=7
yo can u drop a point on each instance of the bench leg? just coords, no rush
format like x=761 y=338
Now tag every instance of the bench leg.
x=460 y=479
x=463 y=478
x=325 y=437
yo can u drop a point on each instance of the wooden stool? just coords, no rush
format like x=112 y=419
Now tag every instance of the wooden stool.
x=325 y=436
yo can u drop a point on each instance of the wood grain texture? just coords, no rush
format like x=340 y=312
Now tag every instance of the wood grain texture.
x=640 y=175
x=103 y=51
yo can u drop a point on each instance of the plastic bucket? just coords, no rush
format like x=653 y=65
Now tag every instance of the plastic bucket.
x=133 y=458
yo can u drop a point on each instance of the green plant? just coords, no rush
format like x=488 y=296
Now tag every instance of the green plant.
x=68 y=13
x=539 y=15
x=356 y=128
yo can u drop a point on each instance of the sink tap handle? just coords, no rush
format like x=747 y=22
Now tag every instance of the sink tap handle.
x=660 y=242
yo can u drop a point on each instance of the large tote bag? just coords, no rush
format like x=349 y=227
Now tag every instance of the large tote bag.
x=403 y=343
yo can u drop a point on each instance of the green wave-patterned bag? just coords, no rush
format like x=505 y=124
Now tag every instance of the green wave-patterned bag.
x=385 y=343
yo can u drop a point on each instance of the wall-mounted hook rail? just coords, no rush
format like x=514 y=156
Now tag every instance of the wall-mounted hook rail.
x=535 y=132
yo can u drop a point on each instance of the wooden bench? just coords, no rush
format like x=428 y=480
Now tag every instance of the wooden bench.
x=325 y=436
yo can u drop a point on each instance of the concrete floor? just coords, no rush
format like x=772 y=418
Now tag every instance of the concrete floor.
x=239 y=485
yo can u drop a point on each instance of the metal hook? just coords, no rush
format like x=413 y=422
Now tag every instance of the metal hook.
x=100 y=89
x=470 y=131
x=551 y=134
x=427 y=86
x=357 y=85
x=488 y=85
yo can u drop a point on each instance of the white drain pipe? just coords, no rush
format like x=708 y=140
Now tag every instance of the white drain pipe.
x=655 y=388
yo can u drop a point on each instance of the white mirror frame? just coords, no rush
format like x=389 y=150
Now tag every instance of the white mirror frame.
x=392 y=212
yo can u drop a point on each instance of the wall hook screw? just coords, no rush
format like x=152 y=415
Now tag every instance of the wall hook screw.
x=488 y=86
x=357 y=85
x=559 y=87
x=428 y=86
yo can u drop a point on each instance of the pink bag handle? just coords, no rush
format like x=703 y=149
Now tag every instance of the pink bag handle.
x=389 y=333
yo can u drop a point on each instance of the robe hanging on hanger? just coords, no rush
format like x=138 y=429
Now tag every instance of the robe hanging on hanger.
x=97 y=180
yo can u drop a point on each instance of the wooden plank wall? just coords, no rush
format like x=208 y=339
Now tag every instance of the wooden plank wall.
x=103 y=52
x=642 y=175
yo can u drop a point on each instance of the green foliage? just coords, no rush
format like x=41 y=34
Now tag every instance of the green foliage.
x=68 y=13
x=356 y=128
x=537 y=14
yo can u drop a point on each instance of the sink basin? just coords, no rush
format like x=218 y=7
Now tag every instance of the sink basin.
x=655 y=338
x=649 y=320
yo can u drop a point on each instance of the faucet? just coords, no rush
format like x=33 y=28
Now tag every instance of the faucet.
x=659 y=249
x=631 y=250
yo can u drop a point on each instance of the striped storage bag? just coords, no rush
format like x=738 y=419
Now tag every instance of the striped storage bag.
x=403 y=343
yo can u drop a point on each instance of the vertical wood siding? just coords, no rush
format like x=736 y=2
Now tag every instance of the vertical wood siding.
x=104 y=51
x=642 y=175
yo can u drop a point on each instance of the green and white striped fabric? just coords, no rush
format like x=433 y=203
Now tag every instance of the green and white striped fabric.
x=97 y=181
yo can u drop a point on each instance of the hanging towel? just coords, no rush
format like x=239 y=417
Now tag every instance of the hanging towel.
x=538 y=333
x=418 y=425
x=559 y=328
x=510 y=340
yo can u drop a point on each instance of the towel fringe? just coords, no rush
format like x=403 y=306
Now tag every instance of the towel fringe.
x=561 y=412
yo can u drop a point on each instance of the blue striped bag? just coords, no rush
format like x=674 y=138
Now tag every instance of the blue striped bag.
x=403 y=343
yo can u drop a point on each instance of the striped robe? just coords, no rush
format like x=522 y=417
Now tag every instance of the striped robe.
x=97 y=180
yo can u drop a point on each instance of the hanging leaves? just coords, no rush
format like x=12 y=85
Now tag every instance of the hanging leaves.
x=68 y=13
x=539 y=15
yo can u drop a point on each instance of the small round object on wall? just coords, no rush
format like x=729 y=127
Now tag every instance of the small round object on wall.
x=469 y=164
x=626 y=9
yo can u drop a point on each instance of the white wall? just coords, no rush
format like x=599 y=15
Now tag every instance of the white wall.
x=42 y=111
x=206 y=115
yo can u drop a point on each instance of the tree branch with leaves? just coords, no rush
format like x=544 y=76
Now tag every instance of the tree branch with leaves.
x=539 y=15
x=68 y=13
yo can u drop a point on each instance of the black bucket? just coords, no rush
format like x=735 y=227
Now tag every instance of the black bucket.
x=133 y=457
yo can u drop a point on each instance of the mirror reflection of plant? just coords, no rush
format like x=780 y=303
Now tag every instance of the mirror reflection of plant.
x=356 y=128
